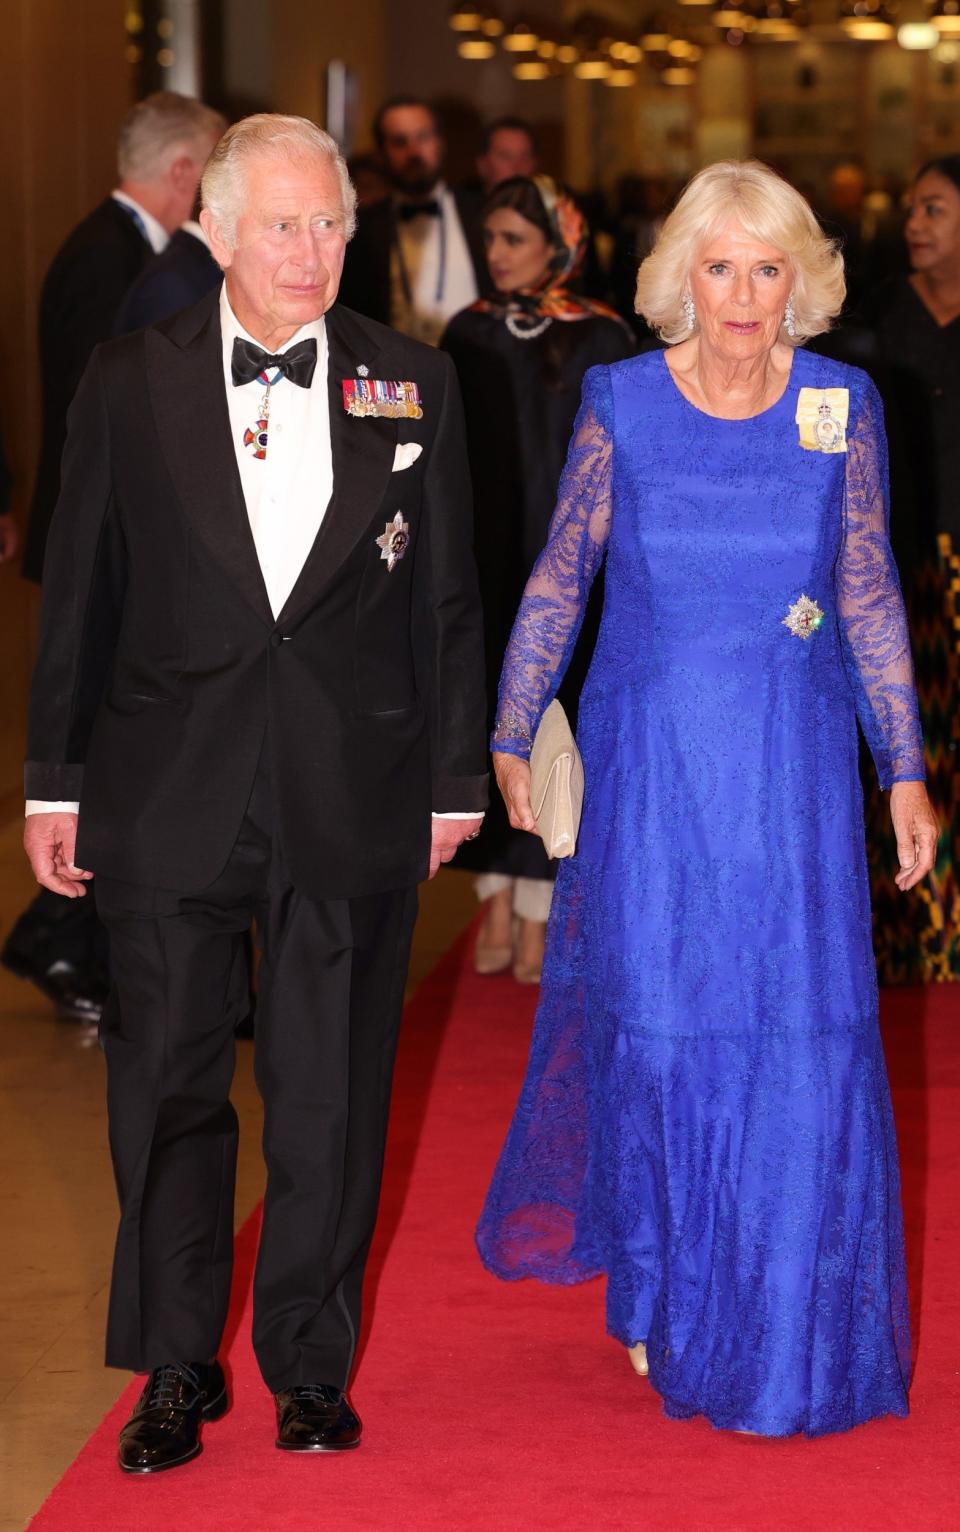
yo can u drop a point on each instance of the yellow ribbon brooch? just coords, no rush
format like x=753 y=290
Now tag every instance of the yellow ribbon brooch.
x=822 y=417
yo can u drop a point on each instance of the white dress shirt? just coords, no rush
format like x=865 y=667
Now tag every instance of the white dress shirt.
x=431 y=272
x=288 y=491
x=157 y=236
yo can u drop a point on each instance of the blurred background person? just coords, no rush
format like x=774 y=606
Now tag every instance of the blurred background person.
x=163 y=145
x=913 y=323
x=509 y=148
x=642 y=204
x=412 y=263
x=180 y=275
x=521 y=356
x=842 y=219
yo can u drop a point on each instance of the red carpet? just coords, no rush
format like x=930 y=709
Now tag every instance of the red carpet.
x=505 y=1407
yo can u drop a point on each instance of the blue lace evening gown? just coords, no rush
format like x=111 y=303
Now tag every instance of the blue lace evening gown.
x=706 y=1117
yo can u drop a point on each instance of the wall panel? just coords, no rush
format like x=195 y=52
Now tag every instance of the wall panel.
x=65 y=84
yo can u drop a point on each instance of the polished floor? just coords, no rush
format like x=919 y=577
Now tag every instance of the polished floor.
x=58 y=1208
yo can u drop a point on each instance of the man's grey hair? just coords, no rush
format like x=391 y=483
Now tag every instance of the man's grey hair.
x=161 y=127
x=223 y=189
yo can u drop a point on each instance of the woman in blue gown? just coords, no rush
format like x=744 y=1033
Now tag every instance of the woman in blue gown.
x=705 y=1117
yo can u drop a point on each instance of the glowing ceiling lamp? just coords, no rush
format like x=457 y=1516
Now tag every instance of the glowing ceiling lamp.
x=726 y=14
x=776 y=21
x=679 y=74
x=945 y=16
x=520 y=38
x=466 y=18
x=476 y=48
x=686 y=52
x=592 y=66
x=918 y=36
x=531 y=69
x=868 y=21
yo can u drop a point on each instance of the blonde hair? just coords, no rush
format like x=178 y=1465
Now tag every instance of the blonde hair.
x=159 y=128
x=222 y=186
x=768 y=208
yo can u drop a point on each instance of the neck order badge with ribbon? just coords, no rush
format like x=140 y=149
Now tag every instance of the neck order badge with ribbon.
x=250 y=363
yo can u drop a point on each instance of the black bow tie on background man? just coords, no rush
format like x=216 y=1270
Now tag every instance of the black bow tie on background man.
x=408 y=210
x=298 y=364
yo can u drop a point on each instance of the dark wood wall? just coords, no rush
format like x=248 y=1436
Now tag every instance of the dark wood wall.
x=65 y=83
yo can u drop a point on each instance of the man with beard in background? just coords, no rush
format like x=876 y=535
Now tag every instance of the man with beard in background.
x=416 y=258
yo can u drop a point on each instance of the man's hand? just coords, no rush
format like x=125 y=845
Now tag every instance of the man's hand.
x=50 y=842
x=915 y=826
x=513 y=780
x=448 y=834
x=9 y=538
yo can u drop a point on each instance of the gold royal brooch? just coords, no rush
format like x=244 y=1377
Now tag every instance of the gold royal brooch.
x=804 y=617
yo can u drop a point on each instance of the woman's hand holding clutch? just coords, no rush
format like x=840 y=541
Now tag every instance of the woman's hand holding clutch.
x=915 y=826
x=513 y=780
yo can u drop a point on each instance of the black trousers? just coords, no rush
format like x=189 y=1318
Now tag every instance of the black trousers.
x=331 y=989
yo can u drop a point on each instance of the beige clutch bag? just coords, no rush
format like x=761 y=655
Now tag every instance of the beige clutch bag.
x=556 y=783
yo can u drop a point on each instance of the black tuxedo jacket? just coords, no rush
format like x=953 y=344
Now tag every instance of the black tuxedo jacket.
x=366 y=270
x=79 y=299
x=161 y=671
x=181 y=274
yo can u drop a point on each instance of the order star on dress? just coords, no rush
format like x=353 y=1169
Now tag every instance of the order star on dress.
x=804 y=617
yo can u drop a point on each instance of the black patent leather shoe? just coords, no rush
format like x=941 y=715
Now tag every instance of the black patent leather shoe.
x=164 y=1429
x=79 y=994
x=314 y=1417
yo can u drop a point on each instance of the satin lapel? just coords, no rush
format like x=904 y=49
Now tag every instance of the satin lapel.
x=189 y=402
x=363 y=453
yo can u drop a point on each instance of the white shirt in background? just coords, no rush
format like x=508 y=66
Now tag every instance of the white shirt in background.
x=434 y=295
x=157 y=236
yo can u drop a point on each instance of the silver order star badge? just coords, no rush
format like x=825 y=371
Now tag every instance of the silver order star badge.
x=362 y=370
x=804 y=617
x=394 y=542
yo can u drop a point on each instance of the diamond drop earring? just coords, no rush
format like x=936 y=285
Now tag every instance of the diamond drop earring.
x=790 y=317
x=689 y=311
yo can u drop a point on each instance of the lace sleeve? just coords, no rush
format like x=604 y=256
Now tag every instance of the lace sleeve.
x=555 y=597
x=873 y=623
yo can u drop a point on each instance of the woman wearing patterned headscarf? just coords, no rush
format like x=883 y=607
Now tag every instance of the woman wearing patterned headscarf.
x=521 y=356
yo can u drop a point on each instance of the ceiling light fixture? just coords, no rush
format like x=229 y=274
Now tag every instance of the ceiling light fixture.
x=520 y=38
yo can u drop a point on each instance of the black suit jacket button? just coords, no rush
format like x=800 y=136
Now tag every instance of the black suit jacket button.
x=276 y=639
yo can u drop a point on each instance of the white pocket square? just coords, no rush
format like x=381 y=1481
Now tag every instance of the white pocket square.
x=406 y=454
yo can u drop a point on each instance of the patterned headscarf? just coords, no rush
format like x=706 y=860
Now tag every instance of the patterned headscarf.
x=550 y=299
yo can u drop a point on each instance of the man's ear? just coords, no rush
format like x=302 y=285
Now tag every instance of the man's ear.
x=221 y=251
x=183 y=171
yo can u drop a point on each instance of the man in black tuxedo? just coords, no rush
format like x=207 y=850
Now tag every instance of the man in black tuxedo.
x=162 y=146
x=417 y=258
x=260 y=681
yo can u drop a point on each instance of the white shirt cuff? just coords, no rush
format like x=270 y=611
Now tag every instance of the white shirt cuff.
x=38 y=806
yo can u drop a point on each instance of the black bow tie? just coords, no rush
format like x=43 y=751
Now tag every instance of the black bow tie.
x=408 y=210
x=298 y=364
